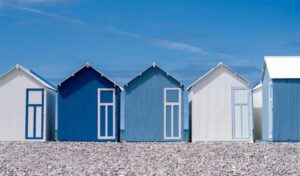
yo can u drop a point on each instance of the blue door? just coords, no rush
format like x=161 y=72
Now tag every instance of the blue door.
x=172 y=113
x=106 y=113
x=34 y=114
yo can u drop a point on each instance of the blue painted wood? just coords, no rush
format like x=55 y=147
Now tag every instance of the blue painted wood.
x=286 y=110
x=265 y=118
x=77 y=106
x=144 y=106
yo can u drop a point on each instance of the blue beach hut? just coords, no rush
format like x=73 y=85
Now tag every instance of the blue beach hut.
x=88 y=107
x=281 y=98
x=153 y=107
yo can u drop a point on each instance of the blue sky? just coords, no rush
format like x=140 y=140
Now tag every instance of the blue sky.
x=122 y=38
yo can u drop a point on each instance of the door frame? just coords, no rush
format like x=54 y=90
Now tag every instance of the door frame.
x=172 y=114
x=233 y=104
x=270 y=109
x=99 y=104
x=34 y=115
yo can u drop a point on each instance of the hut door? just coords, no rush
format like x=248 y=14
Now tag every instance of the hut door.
x=106 y=113
x=240 y=106
x=172 y=113
x=34 y=113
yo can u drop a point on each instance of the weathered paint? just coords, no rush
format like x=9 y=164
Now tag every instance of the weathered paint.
x=212 y=106
x=78 y=106
x=13 y=90
x=144 y=106
x=265 y=119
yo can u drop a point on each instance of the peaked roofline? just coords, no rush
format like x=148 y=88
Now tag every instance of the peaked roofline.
x=152 y=66
x=32 y=74
x=87 y=65
x=215 y=68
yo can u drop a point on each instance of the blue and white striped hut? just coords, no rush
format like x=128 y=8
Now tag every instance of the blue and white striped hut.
x=153 y=107
x=281 y=98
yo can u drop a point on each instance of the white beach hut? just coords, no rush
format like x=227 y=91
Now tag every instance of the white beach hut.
x=27 y=106
x=221 y=106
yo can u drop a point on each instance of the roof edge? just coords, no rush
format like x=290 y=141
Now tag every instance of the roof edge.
x=153 y=66
x=220 y=64
x=88 y=65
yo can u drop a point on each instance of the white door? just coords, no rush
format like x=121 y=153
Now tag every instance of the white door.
x=34 y=114
x=106 y=113
x=241 y=119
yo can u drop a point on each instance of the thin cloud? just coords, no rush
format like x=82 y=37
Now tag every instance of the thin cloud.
x=31 y=1
x=165 y=43
x=44 y=13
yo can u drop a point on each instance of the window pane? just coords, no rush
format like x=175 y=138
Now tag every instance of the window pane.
x=172 y=95
x=106 y=96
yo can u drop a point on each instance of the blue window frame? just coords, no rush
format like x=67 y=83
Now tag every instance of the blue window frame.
x=34 y=127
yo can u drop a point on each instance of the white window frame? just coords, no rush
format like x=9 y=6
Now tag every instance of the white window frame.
x=172 y=104
x=270 y=110
x=99 y=104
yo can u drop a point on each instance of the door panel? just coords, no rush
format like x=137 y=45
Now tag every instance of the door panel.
x=106 y=113
x=172 y=113
x=34 y=114
x=168 y=121
x=176 y=120
x=240 y=109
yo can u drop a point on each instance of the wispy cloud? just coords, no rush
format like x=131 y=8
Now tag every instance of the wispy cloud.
x=42 y=12
x=165 y=43
x=30 y=1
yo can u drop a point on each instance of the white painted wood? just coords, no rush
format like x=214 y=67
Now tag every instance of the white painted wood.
x=257 y=111
x=13 y=87
x=212 y=111
x=172 y=105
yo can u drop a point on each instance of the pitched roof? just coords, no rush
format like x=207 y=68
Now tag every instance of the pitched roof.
x=87 y=65
x=153 y=66
x=215 y=68
x=32 y=74
x=282 y=67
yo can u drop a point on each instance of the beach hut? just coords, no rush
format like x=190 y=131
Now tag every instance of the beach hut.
x=220 y=106
x=257 y=110
x=27 y=106
x=281 y=98
x=88 y=107
x=153 y=107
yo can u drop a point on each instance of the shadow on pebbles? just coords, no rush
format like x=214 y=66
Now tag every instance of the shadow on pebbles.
x=53 y=158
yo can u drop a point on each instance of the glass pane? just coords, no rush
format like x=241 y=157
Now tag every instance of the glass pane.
x=106 y=96
x=102 y=120
x=172 y=95
x=176 y=121
x=110 y=120
x=168 y=121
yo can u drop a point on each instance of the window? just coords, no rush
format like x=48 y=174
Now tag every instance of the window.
x=106 y=113
x=172 y=113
